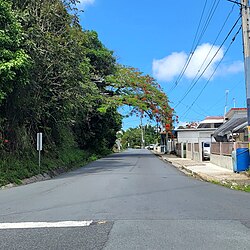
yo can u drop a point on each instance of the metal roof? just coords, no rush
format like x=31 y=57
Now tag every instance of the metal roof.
x=240 y=128
x=229 y=126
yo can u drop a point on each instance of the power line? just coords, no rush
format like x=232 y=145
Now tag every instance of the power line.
x=195 y=82
x=192 y=48
x=209 y=52
x=233 y=39
x=206 y=112
x=210 y=15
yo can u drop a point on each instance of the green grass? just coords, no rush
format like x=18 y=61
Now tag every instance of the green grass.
x=239 y=187
x=15 y=168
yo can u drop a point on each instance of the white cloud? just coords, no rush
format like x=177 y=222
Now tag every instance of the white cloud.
x=86 y=2
x=169 y=67
x=201 y=58
x=234 y=68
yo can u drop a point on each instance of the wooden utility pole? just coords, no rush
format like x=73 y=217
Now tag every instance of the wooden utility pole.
x=245 y=33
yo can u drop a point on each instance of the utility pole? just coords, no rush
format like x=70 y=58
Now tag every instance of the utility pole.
x=142 y=136
x=225 y=110
x=245 y=33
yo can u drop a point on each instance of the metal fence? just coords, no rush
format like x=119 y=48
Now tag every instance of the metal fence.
x=215 y=148
x=178 y=146
x=196 y=147
x=242 y=144
x=226 y=148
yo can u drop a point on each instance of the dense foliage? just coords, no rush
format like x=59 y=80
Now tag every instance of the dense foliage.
x=59 y=79
x=132 y=137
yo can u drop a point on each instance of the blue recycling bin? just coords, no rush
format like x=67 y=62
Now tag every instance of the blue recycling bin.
x=241 y=162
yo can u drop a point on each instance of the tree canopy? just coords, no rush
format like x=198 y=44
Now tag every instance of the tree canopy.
x=59 y=79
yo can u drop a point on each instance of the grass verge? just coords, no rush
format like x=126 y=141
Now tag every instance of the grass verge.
x=233 y=185
x=14 y=168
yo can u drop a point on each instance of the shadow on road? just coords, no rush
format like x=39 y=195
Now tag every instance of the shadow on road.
x=125 y=159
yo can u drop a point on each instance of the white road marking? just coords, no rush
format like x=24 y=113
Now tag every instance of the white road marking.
x=24 y=225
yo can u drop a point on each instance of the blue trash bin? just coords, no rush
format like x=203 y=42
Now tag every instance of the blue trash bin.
x=242 y=159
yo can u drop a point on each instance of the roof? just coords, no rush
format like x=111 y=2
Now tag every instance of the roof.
x=236 y=112
x=213 y=119
x=194 y=129
x=240 y=128
x=229 y=126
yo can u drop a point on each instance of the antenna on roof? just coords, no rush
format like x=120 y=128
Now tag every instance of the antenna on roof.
x=234 y=102
x=225 y=110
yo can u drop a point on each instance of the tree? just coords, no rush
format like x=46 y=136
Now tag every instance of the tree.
x=14 y=64
x=13 y=60
x=132 y=136
x=128 y=86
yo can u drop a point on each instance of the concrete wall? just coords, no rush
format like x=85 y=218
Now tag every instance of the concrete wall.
x=196 y=156
x=189 y=154
x=222 y=161
x=194 y=136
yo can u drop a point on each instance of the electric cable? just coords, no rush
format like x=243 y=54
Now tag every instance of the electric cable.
x=210 y=15
x=195 y=82
x=209 y=51
x=233 y=39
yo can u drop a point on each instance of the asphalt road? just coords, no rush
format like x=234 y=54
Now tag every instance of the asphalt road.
x=135 y=201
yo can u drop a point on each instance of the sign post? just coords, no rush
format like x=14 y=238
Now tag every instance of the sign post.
x=39 y=146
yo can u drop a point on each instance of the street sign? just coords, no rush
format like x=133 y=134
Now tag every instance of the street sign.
x=39 y=147
x=39 y=141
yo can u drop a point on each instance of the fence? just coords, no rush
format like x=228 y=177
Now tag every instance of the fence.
x=196 y=147
x=221 y=153
x=226 y=148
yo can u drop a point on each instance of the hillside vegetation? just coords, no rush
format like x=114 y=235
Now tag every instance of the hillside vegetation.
x=59 y=79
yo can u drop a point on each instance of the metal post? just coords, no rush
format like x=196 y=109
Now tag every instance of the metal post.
x=246 y=42
x=157 y=132
x=142 y=137
x=225 y=110
x=39 y=160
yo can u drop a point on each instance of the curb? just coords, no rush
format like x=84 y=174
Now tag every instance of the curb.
x=228 y=183
x=36 y=178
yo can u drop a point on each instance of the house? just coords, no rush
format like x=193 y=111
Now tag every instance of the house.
x=234 y=128
x=190 y=140
x=230 y=136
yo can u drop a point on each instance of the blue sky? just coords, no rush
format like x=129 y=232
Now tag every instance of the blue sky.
x=157 y=37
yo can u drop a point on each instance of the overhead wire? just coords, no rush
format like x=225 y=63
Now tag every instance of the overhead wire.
x=194 y=81
x=191 y=50
x=209 y=17
x=206 y=112
x=233 y=39
x=222 y=100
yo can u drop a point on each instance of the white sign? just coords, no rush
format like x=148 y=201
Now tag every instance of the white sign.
x=39 y=142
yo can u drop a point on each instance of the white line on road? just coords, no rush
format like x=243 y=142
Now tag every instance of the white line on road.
x=23 y=225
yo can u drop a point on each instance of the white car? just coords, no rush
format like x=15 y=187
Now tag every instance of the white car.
x=206 y=150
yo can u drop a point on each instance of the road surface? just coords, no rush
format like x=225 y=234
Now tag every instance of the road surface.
x=129 y=200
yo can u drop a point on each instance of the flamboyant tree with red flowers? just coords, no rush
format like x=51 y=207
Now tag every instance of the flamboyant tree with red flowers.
x=128 y=86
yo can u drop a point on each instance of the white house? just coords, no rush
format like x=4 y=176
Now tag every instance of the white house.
x=190 y=140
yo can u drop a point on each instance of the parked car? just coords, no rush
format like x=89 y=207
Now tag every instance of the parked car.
x=206 y=150
x=151 y=147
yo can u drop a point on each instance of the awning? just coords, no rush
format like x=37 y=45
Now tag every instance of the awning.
x=229 y=126
x=240 y=128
